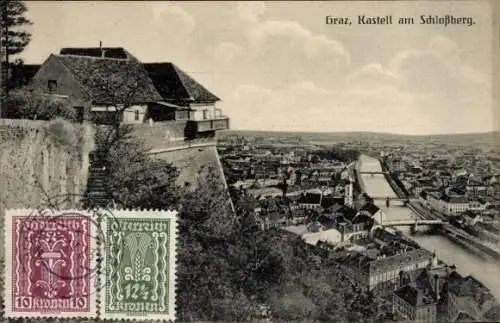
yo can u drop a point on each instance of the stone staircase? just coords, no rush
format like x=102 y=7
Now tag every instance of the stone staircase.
x=96 y=194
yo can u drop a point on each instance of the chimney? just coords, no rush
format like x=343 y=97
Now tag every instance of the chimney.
x=436 y=286
x=401 y=279
x=102 y=50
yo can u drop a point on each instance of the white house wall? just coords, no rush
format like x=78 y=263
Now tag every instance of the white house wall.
x=133 y=114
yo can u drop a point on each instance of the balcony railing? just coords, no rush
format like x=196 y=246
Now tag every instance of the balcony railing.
x=218 y=123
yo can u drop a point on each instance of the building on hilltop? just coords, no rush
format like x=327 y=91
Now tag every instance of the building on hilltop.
x=105 y=85
x=184 y=98
x=98 y=87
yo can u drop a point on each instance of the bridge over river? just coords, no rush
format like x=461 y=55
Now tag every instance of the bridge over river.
x=410 y=222
x=486 y=269
x=373 y=173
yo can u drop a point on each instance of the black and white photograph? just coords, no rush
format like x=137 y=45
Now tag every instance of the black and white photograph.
x=250 y=161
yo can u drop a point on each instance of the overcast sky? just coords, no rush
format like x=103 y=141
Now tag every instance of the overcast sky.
x=278 y=66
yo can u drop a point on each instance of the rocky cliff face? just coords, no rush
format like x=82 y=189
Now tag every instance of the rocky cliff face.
x=191 y=157
x=43 y=162
x=193 y=162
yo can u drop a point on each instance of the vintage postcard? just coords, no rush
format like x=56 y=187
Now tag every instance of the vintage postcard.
x=279 y=161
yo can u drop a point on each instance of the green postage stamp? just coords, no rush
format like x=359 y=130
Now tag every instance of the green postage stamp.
x=138 y=272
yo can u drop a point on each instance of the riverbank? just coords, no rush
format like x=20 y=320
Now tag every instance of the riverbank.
x=449 y=251
x=460 y=236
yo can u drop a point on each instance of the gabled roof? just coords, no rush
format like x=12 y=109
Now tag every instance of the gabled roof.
x=310 y=198
x=465 y=317
x=425 y=182
x=107 y=52
x=469 y=286
x=393 y=262
x=357 y=260
x=328 y=201
x=414 y=296
x=453 y=199
x=335 y=208
x=370 y=208
x=493 y=314
x=111 y=81
x=362 y=218
x=175 y=85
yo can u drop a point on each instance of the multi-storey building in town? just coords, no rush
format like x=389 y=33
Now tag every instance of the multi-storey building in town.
x=382 y=272
x=467 y=297
x=413 y=304
x=451 y=205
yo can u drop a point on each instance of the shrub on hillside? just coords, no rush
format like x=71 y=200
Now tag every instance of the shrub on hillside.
x=26 y=103
x=62 y=132
x=136 y=180
x=228 y=269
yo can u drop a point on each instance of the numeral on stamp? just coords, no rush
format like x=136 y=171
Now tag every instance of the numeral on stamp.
x=49 y=265
x=139 y=266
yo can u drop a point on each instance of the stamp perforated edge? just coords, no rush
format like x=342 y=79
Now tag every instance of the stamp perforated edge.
x=145 y=214
x=8 y=313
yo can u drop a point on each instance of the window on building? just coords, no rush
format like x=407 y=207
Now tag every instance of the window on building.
x=136 y=115
x=79 y=111
x=52 y=86
x=182 y=114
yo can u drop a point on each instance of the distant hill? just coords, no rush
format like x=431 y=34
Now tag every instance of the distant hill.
x=486 y=138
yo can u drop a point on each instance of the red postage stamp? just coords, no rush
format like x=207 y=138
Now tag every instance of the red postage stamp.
x=50 y=264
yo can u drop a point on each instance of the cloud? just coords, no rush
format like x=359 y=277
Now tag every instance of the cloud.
x=286 y=51
x=418 y=91
x=445 y=48
x=174 y=16
x=372 y=77
x=425 y=72
x=226 y=52
x=446 y=91
x=308 y=107
x=251 y=11
x=299 y=39
x=437 y=68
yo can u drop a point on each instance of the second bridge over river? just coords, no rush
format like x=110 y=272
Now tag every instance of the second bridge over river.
x=389 y=199
x=373 y=173
x=410 y=222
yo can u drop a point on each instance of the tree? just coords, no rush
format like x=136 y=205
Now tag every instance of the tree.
x=118 y=85
x=205 y=224
x=15 y=37
x=27 y=103
x=136 y=180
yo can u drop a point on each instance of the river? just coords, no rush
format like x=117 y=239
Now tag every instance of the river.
x=487 y=270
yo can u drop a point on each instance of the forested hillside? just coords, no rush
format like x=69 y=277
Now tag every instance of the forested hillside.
x=228 y=269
